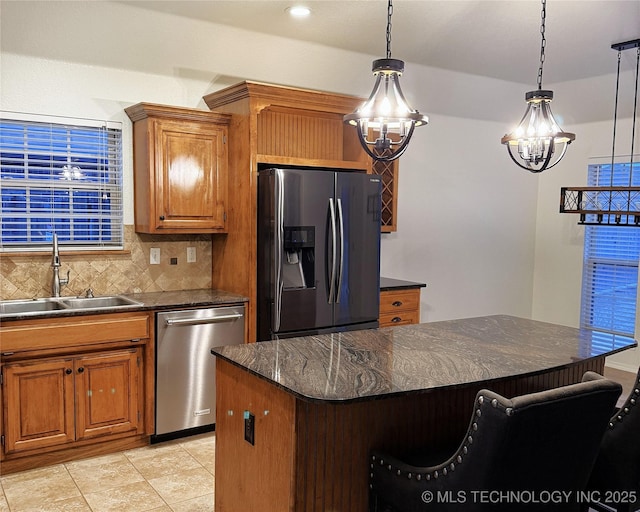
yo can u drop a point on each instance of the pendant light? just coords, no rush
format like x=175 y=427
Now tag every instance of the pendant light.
x=613 y=205
x=538 y=143
x=385 y=122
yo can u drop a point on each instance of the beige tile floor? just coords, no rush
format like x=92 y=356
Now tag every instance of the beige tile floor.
x=172 y=476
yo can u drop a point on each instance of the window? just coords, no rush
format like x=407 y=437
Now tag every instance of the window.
x=60 y=176
x=610 y=272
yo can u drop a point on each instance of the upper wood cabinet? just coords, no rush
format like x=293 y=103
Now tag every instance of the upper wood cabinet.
x=180 y=169
x=292 y=126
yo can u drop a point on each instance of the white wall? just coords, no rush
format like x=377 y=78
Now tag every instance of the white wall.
x=465 y=222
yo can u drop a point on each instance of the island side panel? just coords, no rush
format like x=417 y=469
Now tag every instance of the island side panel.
x=334 y=440
x=258 y=477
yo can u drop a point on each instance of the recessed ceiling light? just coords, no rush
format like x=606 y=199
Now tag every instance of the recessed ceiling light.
x=298 y=11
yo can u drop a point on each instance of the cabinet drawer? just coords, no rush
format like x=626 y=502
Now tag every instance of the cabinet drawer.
x=395 y=301
x=67 y=332
x=399 y=318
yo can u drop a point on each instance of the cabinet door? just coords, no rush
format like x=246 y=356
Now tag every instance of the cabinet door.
x=190 y=175
x=39 y=410
x=108 y=392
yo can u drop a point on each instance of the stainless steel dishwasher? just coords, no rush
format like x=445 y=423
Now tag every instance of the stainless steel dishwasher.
x=186 y=370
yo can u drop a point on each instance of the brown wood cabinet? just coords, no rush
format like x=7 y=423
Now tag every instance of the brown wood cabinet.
x=273 y=125
x=399 y=307
x=180 y=169
x=74 y=387
x=54 y=402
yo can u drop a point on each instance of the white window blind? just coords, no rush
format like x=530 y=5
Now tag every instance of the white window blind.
x=63 y=176
x=610 y=272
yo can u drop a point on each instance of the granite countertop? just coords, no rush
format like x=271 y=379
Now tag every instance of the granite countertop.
x=388 y=283
x=151 y=301
x=370 y=364
x=186 y=298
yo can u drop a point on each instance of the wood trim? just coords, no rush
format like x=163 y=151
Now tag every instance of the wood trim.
x=148 y=390
x=142 y=111
x=78 y=451
x=283 y=95
x=313 y=162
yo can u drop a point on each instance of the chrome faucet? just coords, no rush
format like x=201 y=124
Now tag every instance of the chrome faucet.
x=56 y=282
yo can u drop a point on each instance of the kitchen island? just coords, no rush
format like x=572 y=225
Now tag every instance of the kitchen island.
x=296 y=418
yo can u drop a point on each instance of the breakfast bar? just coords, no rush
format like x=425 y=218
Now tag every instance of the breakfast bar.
x=296 y=418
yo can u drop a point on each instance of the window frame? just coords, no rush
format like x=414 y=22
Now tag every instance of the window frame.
x=611 y=256
x=71 y=183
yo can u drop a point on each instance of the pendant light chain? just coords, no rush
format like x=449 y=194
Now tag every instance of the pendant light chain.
x=543 y=43
x=635 y=111
x=389 y=14
x=615 y=120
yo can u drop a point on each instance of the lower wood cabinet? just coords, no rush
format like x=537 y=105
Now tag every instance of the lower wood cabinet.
x=74 y=387
x=399 y=307
x=59 y=401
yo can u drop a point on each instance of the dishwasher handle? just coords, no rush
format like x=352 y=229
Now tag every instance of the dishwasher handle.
x=195 y=321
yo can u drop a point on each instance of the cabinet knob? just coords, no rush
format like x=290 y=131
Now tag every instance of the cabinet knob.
x=397 y=303
x=396 y=319
x=161 y=217
x=81 y=369
x=68 y=371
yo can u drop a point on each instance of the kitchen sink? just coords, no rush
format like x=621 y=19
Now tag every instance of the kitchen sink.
x=9 y=307
x=98 y=302
x=34 y=307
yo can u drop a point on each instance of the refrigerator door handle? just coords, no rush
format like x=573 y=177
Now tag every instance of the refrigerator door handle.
x=341 y=264
x=332 y=278
x=278 y=240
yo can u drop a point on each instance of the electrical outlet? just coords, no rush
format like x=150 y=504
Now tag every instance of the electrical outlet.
x=154 y=256
x=191 y=254
x=249 y=428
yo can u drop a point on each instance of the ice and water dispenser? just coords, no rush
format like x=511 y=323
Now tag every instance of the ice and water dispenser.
x=299 y=257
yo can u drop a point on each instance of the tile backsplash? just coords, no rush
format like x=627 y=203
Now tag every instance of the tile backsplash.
x=108 y=274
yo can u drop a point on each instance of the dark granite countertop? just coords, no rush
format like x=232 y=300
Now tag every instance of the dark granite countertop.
x=371 y=364
x=388 y=283
x=187 y=298
x=156 y=301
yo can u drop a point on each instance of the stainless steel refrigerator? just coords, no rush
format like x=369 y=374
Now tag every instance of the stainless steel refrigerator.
x=318 y=251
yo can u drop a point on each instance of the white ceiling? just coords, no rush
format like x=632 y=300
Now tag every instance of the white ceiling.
x=495 y=38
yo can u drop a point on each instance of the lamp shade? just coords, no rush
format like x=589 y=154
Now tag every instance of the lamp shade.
x=538 y=143
x=385 y=122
